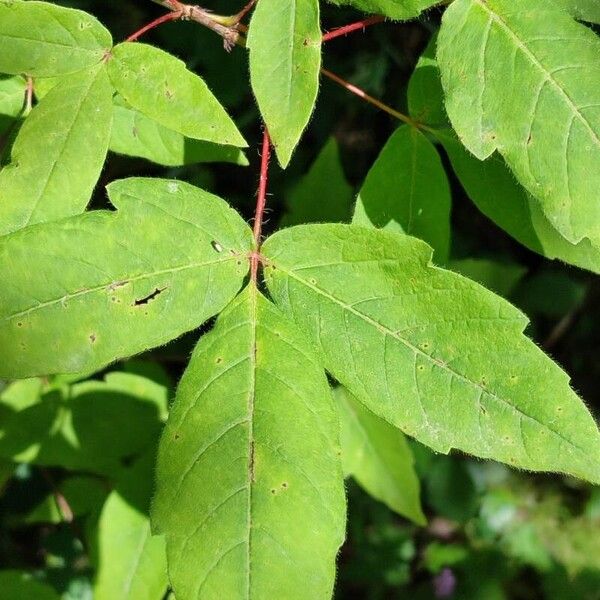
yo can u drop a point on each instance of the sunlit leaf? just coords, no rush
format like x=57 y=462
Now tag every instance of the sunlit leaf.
x=117 y=283
x=42 y=39
x=59 y=152
x=524 y=78
x=250 y=491
x=427 y=349
x=285 y=57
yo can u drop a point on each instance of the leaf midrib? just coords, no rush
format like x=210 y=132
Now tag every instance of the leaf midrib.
x=114 y=280
x=386 y=331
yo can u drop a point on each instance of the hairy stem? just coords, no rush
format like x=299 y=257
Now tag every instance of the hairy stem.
x=261 y=200
x=346 y=29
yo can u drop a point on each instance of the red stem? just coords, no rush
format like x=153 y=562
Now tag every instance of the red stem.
x=261 y=201
x=362 y=94
x=172 y=16
x=330 y=35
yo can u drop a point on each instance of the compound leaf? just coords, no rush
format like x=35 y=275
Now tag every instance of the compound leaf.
x=135 y=134
x=159 y=85
x=378 y=456
x=407 y=191
x=41 y=39
x=132 y=563
x=548 y=126
x=431 y=352
x=323 y=194
x=117 y=283
x=285 y=57
x=250 y=489
x=395 y=9
x=59 y=152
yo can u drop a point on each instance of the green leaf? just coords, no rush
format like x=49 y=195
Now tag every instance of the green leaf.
x=22 y=585
x=159 y=86
x=548 y=126
x=12 y=100
x=135 y=134
x=378 y=457
x=325 y=179
x=500 y=277
x=42 y=40
x=91 y=426
x=59 y=152
x=285 y=57
x=407 y=191
x=118 y=283
x=425 y=93
x=132 y=563
x=512 y=208
x=585 y=10
x=250 y=490
x=82 y=494
x=396 y=9
x=433 y=353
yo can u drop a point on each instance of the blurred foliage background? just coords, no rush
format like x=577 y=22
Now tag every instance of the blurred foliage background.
x=492 y=532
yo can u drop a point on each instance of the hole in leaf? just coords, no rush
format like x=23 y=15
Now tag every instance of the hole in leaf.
x=149 y=297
